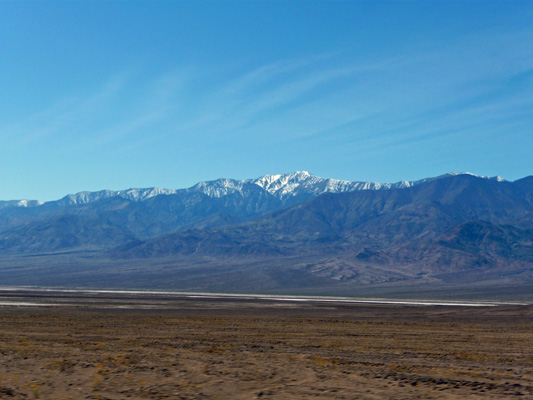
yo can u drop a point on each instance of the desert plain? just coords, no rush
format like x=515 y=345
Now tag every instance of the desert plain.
x=62 y=346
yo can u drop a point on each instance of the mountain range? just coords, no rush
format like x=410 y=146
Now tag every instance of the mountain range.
x=293 y=232
x=104 y=218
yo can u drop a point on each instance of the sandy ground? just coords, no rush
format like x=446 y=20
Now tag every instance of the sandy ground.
x=248 y=350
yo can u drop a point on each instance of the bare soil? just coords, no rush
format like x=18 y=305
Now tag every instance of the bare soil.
x=269 y=350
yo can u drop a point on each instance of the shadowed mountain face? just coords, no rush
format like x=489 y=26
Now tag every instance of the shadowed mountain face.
x=458 y=228
x=136 y=220
x=361 y=219
x=148 y=213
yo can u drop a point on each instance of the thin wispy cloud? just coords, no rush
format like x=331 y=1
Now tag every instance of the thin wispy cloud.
x=290 y=99
x=67 y=114
x=337 y=102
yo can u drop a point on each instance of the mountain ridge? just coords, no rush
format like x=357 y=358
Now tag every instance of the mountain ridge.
x=282 y=185
x=398 y=216
x=456 y=229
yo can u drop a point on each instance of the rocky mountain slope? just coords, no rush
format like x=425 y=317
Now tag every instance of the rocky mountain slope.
x=287 y=230
x=26 y=226
x=365 y=219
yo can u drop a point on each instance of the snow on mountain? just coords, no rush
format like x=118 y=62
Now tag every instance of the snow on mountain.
x=293 y=184
x=20 y=203
x=297 y=184
x=494 y=178
x=282 y=186
x=130 y=194
x=303 y=184
x=219 y=187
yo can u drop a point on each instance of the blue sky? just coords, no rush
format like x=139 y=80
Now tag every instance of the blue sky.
x=127 y=94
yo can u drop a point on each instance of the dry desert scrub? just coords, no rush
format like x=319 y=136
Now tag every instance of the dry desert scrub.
x=69 y=354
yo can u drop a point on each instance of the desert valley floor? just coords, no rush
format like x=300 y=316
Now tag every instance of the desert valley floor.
x=139 y=346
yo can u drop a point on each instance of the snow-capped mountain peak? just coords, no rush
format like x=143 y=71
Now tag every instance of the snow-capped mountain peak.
x=218 y=188
x=278 y=185
x=289 y=188
x=495 y=178
x=130 y=194
x=285 y=183
x=20 y=203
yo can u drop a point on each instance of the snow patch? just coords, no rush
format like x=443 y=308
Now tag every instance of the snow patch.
x=282 y=186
